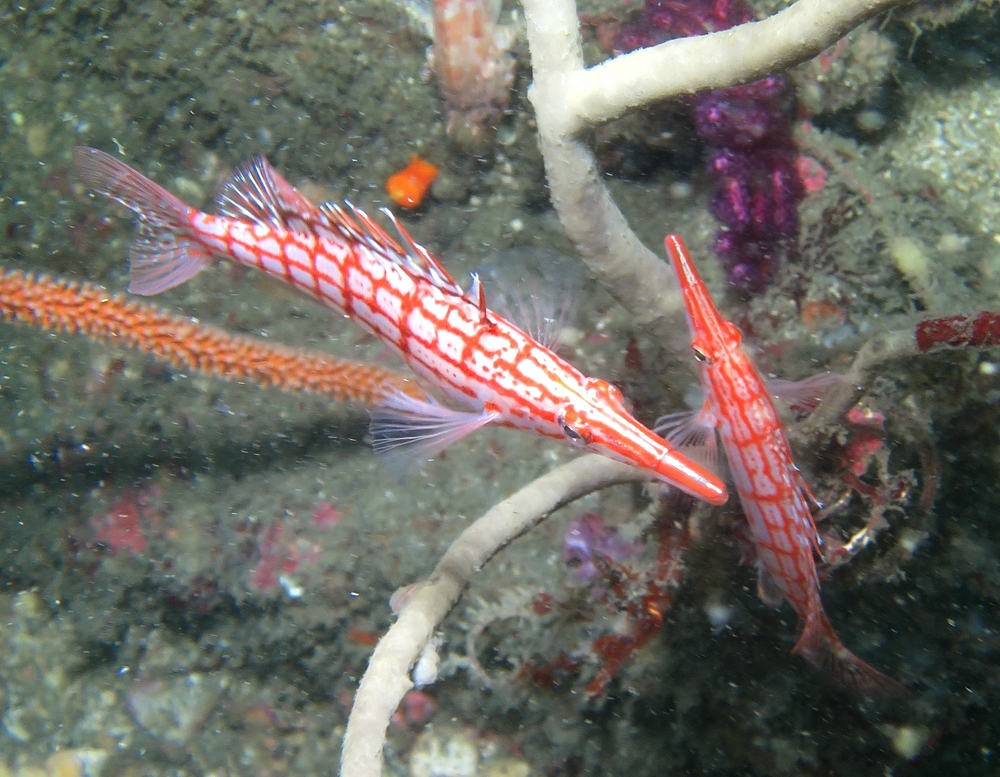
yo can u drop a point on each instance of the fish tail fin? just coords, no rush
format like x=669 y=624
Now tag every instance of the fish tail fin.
x=822 y=649
x=166 y=250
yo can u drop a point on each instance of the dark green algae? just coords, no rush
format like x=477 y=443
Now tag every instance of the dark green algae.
x=172 y=660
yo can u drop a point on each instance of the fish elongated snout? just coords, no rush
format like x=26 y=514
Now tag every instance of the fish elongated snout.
x=691 y=478
x=629 y=441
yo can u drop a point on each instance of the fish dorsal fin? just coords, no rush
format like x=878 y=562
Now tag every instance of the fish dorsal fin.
x=354 y=224
x=533 y=288
x=477 y=296
x=440 y=275
x=256 y=192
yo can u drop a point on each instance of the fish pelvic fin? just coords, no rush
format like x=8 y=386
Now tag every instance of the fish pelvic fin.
x=165 y=250
x=823 y=650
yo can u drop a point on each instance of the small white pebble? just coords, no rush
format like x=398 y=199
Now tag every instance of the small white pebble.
x=188 y=189
x=680 y=190
x=293 y=589
x=988 y=368
x=911 y=539
x=870 y=121
x=444 y=752
x=908 y=741
x=952 y=243
x=425 y=671
x=719 y=614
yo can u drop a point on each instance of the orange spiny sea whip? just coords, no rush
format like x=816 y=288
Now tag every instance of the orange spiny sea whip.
x=57 y=305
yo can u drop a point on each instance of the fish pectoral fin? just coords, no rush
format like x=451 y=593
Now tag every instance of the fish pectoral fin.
x=692 y=433
x=767 y=587
x=804 y=396
x=535 y=289
x=407 y=431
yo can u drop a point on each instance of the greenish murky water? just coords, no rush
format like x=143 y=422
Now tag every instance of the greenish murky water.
x=193 y=573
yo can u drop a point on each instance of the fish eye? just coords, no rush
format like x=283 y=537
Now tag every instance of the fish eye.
x=569 y=431
x=572 y=434
x=699 y=355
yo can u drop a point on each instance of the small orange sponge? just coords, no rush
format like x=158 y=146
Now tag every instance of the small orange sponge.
x=408 y=187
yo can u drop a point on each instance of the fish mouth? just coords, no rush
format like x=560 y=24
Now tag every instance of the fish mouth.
x=645 y=450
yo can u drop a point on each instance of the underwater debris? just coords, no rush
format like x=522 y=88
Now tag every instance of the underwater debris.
x=408 y=187
x=588 y=537
x=474 y=67
x=120 y=527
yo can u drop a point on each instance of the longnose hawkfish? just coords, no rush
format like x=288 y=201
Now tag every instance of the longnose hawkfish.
x=479 y=361
x=774 y=496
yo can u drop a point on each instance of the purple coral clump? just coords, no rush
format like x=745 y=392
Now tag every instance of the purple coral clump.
x=586 y=536
x=749 y=127
x=662 y=20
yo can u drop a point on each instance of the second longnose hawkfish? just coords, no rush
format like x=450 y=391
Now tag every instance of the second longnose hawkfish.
x=480 y=362
x=775 y=498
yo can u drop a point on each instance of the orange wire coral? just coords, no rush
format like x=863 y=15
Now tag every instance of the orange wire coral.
x=80 y=308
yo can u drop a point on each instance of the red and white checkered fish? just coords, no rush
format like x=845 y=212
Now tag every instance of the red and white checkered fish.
x=479 y=361
x=773 y=494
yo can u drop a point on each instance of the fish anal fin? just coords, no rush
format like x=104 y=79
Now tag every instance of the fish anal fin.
x=807 y=492
x=767 y=587
x=160 y=260
x=810 y=497
x=823 y=650
x=407 y=431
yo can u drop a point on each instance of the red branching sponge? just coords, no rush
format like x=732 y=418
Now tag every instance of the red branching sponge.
x=978 y=330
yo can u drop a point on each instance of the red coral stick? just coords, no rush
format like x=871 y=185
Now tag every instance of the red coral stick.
x=981 y=329
x=58 y=305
